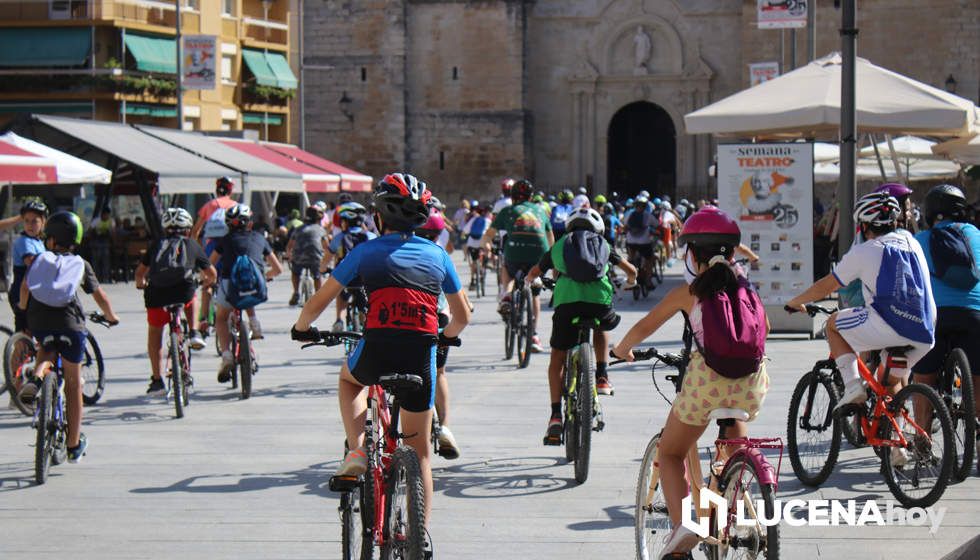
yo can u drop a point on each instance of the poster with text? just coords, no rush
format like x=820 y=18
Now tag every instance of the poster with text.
x=768 y=188
x=199 y=61
x=782 y=14
x=762 y=72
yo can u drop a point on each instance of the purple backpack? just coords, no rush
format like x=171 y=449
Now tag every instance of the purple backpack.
x=734 y=331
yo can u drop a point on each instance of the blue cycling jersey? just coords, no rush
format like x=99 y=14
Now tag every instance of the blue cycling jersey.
x=945 y=295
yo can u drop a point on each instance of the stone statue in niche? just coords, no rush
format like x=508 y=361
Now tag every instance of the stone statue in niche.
x=641 y=52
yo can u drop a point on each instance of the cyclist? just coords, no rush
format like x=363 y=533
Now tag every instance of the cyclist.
x=951 y=256
x=561 y=211
x=241 y=240
x=582 y=291
x=397 y=268
x=504 y=200
x=897 y=313
x=474 y=229
x=53 y=278
x=581 y=199
x=610 y=222
x=27 y=246
x=166 y=274
x=902 y=194
x=352 y=234
x=210 y=226
x=639 y=240
x=306 y=250
x=528 y=238
x=538 y=199
x=711 y=237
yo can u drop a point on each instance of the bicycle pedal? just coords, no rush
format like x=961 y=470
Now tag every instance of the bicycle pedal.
x=344 y=483
x=600 y=425
x=552 y=440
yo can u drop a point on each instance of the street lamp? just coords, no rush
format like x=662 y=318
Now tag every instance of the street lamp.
x=345 y=105
x=951 y=84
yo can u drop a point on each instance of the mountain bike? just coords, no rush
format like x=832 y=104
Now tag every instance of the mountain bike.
x=643 y=278
x=3 y=382
x=518 y=329
x=246 y=362
x=914 y=421
x=179 y=381
x=743 y=476
x=955 y=387
x=385 y=508
x=306 y=286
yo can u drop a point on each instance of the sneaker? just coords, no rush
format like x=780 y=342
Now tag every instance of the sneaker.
x=553 y=435
x=338 y=326
x=536 y=345
x=900 y=457
x=447 y=444
x=355 y=463
x=224 y=370
x=854 y=393
x=294 y=301
x=29 y=390
x=603 y=386
x=681 y=541
x=156 y=388
x=76 y=453
x=504 y=307
x=196 y=341
x=256 y=330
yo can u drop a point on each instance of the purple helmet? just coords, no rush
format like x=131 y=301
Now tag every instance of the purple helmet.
x=897 y=190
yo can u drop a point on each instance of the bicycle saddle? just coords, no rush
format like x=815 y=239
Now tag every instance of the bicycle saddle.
x=898 y=351
x=400 y=381
x=729 y=414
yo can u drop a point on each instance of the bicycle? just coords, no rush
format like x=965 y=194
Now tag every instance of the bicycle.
x=3 y=382
x=357 y=309
x=306 y=286
x=519 y=326
x=955 y=384
x=481 y=275
x=883 y=421
x=246 y=364
x=738 y=477
x=385 y=508
x=179 y=381
x=643 y=279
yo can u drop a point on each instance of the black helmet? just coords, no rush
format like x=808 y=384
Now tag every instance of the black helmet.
x=65 y=228
x=944 y=202
x=35 y=206
x=521 y=191
x=403 y=201
x=314 y=214
x=224 y=186
x=238 y=216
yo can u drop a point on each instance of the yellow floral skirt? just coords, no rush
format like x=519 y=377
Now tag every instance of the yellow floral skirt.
x=704 y=390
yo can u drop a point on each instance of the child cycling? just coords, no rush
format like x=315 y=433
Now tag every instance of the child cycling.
x=166 y=276
x=899 y=310
x=724 y=371
x=307 y=250
x=583 y=291
x=352 y=233
x=473 y=230
x=27 y=246
x=397 y=267
x=55 y=316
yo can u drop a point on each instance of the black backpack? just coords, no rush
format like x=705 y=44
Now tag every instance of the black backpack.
x=952 y=257
x=586 y=255
x=170 y=266
x=351 y=240
x=636 y=222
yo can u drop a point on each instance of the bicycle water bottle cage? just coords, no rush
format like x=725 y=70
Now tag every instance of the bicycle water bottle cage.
x=397 y=381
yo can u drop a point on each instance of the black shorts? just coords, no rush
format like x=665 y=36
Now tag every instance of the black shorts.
x=355 y=291
x=382 y=352
x=474 y=253
x=956 y=327
x=564 y=334
x=298 y=270
x=512 y=268
x=645 y=250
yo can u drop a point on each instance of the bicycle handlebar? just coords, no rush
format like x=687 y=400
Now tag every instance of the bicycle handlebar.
x=667 y=358
x=313 y=337
x=811 y=309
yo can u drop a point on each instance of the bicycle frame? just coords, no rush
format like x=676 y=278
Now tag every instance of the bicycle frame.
x=881 y=412
x=385 y=418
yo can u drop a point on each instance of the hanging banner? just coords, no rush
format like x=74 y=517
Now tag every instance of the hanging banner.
x=762 y=72
x=782 y=14
x=768 y=188
x=199 y=61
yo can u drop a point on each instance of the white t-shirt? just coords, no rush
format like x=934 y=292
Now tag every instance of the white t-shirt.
x=470 y=242
x=502 y=202
x=580 y=200
x=443 y=238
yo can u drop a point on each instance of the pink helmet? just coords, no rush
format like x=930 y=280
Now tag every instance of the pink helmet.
x=435 y=222
x=710 y=226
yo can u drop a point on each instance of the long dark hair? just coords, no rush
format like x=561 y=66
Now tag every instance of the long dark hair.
x=719 y=276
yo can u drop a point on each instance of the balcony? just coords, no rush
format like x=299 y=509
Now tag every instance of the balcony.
x=159 y=13
x=265 y=31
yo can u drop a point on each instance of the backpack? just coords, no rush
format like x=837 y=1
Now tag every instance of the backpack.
x=558 y=215
x=53 y=279
x=586 y=255
x=901 y=295
x=170 y=266
x=952 y=258
x=478 y=228
x=636 y=222
x=351 y=240
x=246 y=285
x=734 y=332
x=216 y=227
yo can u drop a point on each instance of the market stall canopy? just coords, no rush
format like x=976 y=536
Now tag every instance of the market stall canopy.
x=70 y=169
x=906 y=147
x=868 y=170
x=806 y=102
x=315 y=180
x=20 y=166
x=963 y=150
x=177 y=170
x=351 y=181
x=825 y=151
x=260 y=175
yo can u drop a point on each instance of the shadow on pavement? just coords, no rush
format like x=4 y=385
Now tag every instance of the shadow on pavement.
x=619 y=516
x=501 y=478
x=313 y=479
x=10 y=482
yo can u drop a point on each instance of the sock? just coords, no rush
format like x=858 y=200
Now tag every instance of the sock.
x=556 y=410
x=600 y=370
x=847 y=364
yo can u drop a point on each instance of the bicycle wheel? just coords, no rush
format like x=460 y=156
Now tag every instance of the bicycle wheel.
x=234 y=347
x=585 y=393
x=528 y=326
x=18 y=361
x=520 y=325
x=45 y=426
x=569 y=435
x=93 y=372
x=917 y=476
x=956 y=389
x=850 y=427
x=482 y=284
x=740 y=483
x=176 y=375
x=405 y=509
x=812 y=433
x=245 y=365
x=652 y=525
x=3 y=382
x=352 y=526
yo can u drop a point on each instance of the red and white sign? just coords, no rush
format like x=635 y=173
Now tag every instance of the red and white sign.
x=199 y=52
x=782 y=14
x=762 y=72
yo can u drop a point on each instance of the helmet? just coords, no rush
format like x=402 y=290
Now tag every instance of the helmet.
x=238 y=216
x=352 y=207
x=294 y=214
x=877 y=209
x=435 y=222
x=565 y=196
x=582 y=190
x=644 y=194
x=665 y=205
x=629 y=202
x=345 y=197
x=538 y=197
x=584 y=218
x=322 y=205
x=436 y=203
x=609 y=208
x=402 y=200
x=474 y=204
x=640 y=200
x=177 y=218
x=710 y=226
x=897 y=190
x=65 y=228
x=314 y=214
x=600 y=200
x=224 y=186
x=657 y=202
x=506 y=185
x=944 y=202
x=36 y=206
x=521 y=190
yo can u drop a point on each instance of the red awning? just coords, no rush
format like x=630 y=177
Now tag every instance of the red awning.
x=351 y=180
x=315 y=180
x=19 y=166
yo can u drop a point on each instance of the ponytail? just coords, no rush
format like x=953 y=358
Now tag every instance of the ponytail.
x=719 y=276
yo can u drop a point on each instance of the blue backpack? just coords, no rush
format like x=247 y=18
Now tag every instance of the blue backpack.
x=246 y=286
x=558 y=215
x=902 y=296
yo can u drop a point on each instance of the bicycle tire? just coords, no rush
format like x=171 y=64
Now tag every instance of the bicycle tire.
x=584 y=411
x=3 y=382
x=650 y=520
x=483 y=280
x=93 y=382
x=851 y=426
x=233 y=346
x=176 y=375
x=945 y=467
x=766 y=546
x=352 y=528
x=528 y=321
x=812 y=473
x=404 y=523
x=519 y=319
x=44 y=440
x=570 y=437
x=13 y=371
x=957 y=394
x=245 y=358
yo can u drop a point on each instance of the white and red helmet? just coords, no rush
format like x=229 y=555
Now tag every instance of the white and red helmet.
x=403 y=201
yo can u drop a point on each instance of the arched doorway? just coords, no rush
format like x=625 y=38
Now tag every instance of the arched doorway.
x=642 y=150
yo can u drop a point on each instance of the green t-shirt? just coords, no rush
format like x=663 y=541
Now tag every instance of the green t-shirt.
x=568 y=290
x=527 y=226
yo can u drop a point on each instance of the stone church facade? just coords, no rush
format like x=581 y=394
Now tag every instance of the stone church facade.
x=573 y=92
